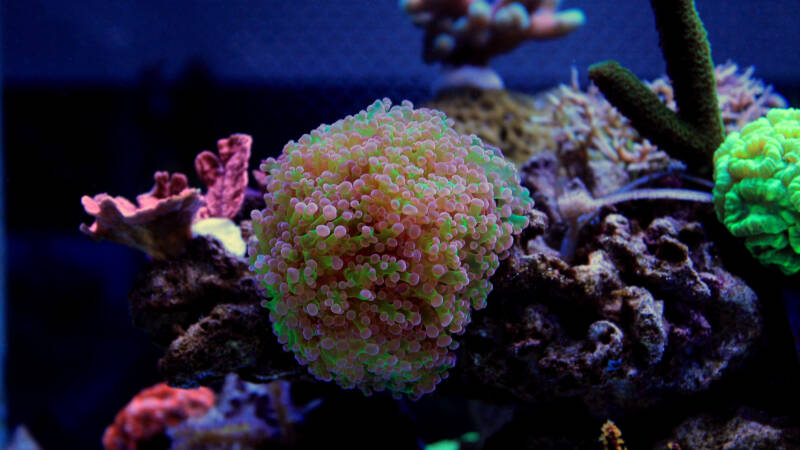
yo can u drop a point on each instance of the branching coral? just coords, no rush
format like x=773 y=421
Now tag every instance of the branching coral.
x=459 y=32
x=225 y=175
x=757 y=188
x=588 y=130
x=695 y=131
x=585 y=124
x=378 y=238
x=226 y=178
x=590 y=133
x=159 y=225
x=741 y=97
x=579 y=124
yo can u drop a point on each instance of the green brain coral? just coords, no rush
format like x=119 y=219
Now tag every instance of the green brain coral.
x=757 y=187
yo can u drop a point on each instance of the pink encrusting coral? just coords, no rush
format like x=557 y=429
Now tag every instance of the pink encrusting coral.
x=378 y=238
x=225 y=175
x=151 y=412
x=160 y=225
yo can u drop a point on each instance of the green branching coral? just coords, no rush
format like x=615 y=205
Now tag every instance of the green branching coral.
x=379 y=237
x=695 y=131
x=757 y=187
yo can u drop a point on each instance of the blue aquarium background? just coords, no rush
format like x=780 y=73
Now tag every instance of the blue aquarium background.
x=97 y=95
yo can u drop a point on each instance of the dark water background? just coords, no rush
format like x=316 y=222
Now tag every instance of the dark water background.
x=98 y=95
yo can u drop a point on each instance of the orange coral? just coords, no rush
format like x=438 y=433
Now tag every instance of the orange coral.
x=152 y=411
x=611 y=437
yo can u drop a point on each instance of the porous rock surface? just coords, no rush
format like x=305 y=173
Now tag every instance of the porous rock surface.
x=747 y=429
x=644 y=311
x=205 y=309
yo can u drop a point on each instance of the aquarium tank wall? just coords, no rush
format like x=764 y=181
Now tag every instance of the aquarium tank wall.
x=424 y=224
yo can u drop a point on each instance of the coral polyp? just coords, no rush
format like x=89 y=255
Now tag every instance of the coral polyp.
x=757 y=189
x=378 y=238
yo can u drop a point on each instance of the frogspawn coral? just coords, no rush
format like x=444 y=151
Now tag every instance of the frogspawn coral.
x=378 y=238
x=757 y=187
